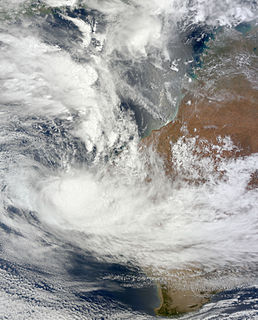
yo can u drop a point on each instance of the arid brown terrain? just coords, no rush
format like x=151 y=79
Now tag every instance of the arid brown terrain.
x=220 y=107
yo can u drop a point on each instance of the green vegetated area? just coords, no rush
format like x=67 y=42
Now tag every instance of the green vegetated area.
x=29 y=9
x=166 y=309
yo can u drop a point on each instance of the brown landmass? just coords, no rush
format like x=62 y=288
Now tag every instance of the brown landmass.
x=221 y=104
x=208 y=121
x=179 y=290
x=178 y=295
x=177 y=302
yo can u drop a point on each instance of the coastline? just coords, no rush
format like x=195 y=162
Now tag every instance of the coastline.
x=221 y=123
x=178 y=302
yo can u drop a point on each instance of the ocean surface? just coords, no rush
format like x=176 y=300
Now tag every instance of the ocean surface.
x=87 y=229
